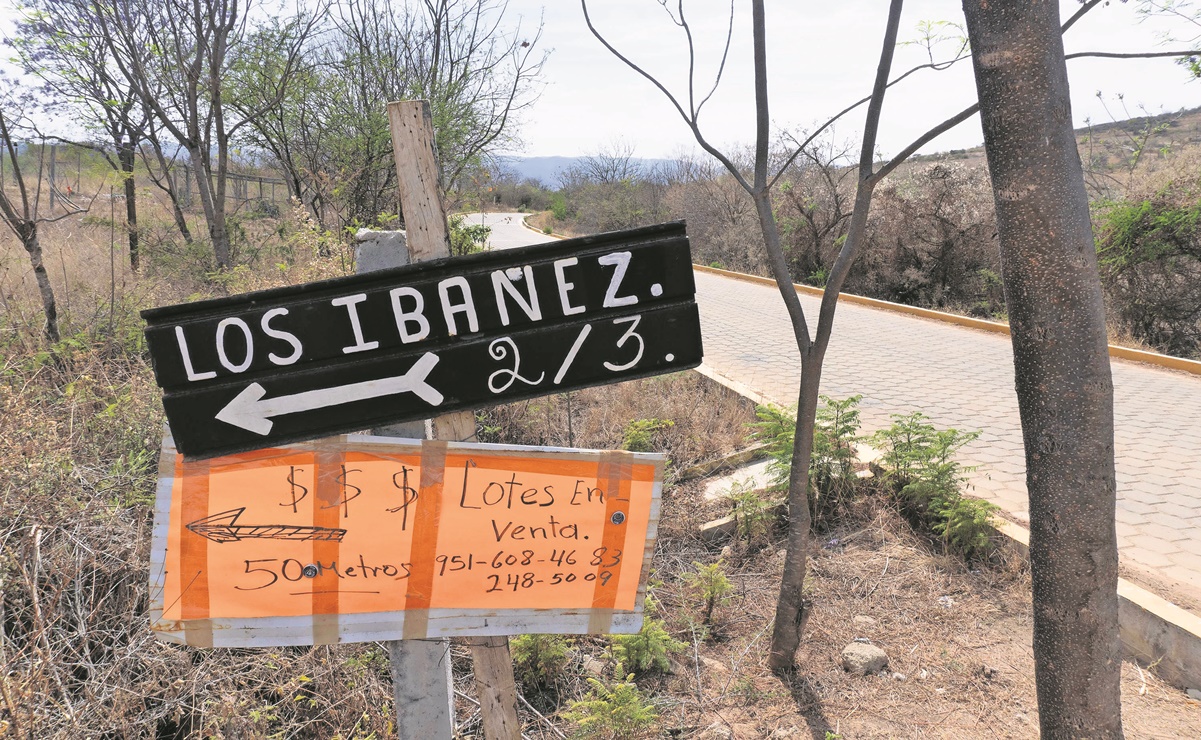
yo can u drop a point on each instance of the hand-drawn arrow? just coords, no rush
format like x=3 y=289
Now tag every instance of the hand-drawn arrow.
x=248 y=410
x=223 y=527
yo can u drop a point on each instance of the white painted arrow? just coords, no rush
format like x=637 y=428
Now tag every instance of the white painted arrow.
x=248 y=410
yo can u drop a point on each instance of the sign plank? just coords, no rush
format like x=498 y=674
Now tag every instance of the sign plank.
x=302 y=362
x=370 y=538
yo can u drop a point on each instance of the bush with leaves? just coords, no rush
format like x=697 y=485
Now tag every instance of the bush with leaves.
x=613 y=712
x=1149 y=254
x=711 y=585
x=832 y=468
x=754 y=515
x=919 y=463
x=639 y=434
x=646 y=651
x=467 y=238
x=539 y=660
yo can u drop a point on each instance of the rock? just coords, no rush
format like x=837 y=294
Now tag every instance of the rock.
x=864 y=620
x=716 y=731
x=946 y=602
x=716 y=666
x=786 y=732
x=593 y=666
x=718 y=530
x=861 y=659
x=988 y=672
x=924 y=674
x=1194 y=694
x=727 y=552
x=899 y=676
x=377 y=250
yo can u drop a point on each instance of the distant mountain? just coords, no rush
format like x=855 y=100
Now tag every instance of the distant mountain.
x=1109 y=144
x=547 y=169
x=543 y=169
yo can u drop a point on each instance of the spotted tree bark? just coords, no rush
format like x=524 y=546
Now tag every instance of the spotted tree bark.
x=1061 y=361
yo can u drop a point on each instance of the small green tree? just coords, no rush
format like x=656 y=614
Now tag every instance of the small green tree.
x=832 y=468
x=646 y=651
x=753 y=516
x=613 y=712
x=538 y=660
x=919 y=463
x=640 y=434
x=467 y=238
x=711 y=585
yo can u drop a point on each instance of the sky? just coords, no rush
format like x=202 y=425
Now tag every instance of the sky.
x=821 y=57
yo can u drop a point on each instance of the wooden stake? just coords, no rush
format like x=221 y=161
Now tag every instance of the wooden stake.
x=429 y=238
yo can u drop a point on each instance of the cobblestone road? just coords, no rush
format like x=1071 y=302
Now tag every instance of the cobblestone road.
x=963 y=378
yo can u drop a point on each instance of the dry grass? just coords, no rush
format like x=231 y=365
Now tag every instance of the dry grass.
x=693 y=418
x=959 y=636
x=81 y=424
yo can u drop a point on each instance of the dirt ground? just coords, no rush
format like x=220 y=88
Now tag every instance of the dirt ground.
x=958 y=640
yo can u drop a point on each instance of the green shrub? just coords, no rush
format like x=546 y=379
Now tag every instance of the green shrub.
x=966 y=525
x=915 y=451
x=711 y=585
x=467 y=239
x=753 y=515
x=646 y=651
x=919 y=464
x=558 y=206
x=640 y=434
x=615 y=712
x=832 y=464
x=1149 y=255
x=538 y=660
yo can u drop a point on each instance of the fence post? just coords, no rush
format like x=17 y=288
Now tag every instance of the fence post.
x=53 y=161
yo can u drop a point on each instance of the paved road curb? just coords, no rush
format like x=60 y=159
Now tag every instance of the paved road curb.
x=1125 y=353
x=1155 y=631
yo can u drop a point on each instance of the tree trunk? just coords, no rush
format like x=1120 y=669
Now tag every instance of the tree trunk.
x=29 y=239
x=177 y=202
x=793 y=608
x=214 y=210
x=1061 y=362
x=125 y=154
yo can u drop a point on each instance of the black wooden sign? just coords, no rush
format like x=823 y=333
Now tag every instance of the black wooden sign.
x=307 y=361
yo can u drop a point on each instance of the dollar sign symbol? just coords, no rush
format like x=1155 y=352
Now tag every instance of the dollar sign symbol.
x=408 y=495
x=346 y=497
x=293 y=470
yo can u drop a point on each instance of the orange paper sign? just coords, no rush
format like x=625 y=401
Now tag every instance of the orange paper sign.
x=369 y=538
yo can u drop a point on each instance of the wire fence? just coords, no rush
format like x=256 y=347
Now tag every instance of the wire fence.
x=62 y=168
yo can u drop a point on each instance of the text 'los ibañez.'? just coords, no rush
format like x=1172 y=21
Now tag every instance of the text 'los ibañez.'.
x=306 y=361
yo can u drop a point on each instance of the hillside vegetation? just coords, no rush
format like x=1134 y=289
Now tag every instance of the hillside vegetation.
x=82 y=422
x=932 y=234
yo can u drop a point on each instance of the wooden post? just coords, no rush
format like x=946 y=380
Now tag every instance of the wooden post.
x=429 y=238
x=421 y=677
